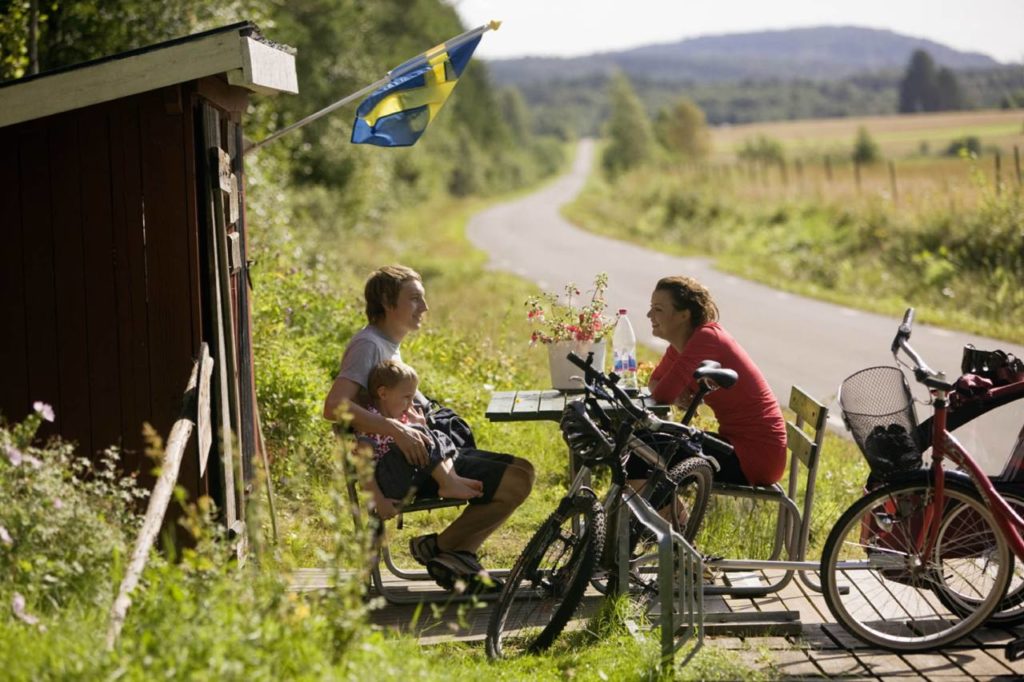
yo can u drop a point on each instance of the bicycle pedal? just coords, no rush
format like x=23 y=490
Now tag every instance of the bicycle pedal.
x=1015 y=650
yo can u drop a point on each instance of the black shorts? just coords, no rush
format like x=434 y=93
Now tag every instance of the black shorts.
x=478 y=465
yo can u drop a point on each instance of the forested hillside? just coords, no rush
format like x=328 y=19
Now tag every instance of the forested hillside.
x=766 y=76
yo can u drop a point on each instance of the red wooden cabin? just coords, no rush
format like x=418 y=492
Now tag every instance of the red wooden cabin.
x=122 y=223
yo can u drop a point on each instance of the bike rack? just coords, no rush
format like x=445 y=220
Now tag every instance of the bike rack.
x=680 y=578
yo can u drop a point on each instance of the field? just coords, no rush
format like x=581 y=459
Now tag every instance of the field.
x=899 y=136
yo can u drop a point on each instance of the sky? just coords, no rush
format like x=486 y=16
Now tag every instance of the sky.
x=578 y=27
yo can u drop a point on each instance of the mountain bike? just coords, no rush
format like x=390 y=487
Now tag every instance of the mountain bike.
x=923 y=559
x=604 y=429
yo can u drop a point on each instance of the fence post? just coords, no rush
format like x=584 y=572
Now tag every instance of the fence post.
x=999 y=173
x=1016 y=163
x=892 y=182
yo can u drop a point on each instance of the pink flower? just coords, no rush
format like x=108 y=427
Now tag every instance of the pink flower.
x=5 y=537
x=14 y=455
x=18 y=607
x=44 y=410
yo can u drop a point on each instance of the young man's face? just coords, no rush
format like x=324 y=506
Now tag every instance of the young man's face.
x=396 y=400
x=408 y=311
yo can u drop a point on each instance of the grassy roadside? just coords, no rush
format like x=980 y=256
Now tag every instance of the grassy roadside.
x=960 y=267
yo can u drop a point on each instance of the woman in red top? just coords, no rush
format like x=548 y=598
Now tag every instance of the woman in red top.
x=684 y=314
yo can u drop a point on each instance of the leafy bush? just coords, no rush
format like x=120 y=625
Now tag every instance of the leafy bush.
x=65 y=523
x=761 y=148
x=865 y=149
x=969 y=145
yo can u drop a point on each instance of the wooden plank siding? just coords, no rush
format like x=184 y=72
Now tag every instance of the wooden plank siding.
x=105 y=300
x=15 y=397
x=100 y=297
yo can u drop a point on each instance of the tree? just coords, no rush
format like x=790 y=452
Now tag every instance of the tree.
x=919 y=89
x=682 y=130
x=630 y=136
x=865 y=149
x=951 y=97
x=515 y=113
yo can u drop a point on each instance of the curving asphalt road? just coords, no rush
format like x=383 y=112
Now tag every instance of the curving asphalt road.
x=795 y=340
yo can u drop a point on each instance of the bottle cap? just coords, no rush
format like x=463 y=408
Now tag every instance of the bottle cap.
x=622 y=311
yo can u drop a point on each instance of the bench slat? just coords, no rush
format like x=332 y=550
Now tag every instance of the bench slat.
x=799 y=443
x=807 y=407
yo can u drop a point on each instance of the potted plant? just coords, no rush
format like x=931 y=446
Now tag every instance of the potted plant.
x=574 y=322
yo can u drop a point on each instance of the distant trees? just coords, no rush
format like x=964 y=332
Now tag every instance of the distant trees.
x=682 y=130
x=630 y=136
x=926 y=88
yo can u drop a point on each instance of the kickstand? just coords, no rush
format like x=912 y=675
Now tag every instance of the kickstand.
x=1015 y=650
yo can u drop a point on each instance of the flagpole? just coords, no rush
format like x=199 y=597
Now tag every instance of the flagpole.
x=400 y=70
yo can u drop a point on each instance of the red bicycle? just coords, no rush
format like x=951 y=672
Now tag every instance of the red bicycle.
x=927 y=556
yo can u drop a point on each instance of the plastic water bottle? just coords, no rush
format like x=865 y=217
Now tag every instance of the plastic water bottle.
x=624 y=351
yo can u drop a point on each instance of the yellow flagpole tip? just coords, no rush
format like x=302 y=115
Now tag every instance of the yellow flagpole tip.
x=494 y=25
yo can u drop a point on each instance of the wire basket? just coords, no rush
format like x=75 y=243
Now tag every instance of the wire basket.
x=879 y=411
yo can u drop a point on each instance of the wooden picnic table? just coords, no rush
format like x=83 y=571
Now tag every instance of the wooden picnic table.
x=547 y=405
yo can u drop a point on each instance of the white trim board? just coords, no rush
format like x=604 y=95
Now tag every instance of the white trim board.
x=248 y=63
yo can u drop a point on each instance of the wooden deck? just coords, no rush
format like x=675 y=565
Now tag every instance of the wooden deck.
x=791 y=632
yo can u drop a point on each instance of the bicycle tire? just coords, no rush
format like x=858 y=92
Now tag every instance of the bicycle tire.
x=890 y=598
x=1010 y=611
x=547 y=582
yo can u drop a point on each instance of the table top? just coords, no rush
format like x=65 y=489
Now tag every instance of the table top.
x=518 y=406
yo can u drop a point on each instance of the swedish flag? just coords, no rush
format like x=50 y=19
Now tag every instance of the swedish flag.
x=397 y=114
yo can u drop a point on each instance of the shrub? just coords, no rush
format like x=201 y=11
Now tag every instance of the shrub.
x=65 y=522
x=865 y=149
x=969 y=145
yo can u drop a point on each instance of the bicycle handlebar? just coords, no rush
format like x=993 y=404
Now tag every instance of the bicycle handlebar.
x=922 y=372
x=595 y=377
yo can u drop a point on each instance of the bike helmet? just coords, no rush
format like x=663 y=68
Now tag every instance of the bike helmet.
x=584 y=438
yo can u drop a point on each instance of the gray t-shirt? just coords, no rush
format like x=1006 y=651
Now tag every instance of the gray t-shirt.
x=367 y=349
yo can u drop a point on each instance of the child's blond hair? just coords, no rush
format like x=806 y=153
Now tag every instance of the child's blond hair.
x=389 y=374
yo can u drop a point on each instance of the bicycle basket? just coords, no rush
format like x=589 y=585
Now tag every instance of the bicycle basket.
x=585 y=439
x=879 y=411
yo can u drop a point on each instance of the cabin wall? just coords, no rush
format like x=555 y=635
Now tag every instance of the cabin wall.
x=101 y=303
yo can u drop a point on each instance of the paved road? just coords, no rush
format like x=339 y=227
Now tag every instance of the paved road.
x=795 y=340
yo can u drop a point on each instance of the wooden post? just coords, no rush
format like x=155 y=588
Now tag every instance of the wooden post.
x=999 y=173
x=161 y=495
x=892 y=182
x=1016 y=163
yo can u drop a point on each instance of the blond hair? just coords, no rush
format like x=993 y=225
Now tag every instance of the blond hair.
x=389 y=374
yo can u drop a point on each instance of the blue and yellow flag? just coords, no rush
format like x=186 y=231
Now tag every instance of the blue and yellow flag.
x=397 y=114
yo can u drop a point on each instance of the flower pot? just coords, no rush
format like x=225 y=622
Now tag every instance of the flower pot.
x=562 y=370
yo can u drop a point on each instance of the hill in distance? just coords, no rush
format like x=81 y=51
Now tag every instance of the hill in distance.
x=822 y=53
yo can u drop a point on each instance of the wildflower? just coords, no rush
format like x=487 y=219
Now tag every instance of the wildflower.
x=5 y=537
x=58 y=503
x=44 y=410
x=18 y=607
x=14 y=455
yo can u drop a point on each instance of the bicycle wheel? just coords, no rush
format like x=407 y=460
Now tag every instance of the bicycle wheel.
x=546 y=584
x=693 y=478
x=884 y=591
x=1010 y=610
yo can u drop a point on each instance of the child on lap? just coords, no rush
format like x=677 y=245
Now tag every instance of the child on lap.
x=392 y=387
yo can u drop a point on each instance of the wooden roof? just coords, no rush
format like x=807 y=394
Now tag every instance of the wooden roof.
x=237 y=51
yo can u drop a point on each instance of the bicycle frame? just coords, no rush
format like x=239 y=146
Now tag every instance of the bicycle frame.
x=945 y=445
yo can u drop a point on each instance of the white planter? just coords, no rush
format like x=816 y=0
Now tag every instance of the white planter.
x=562 y=370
